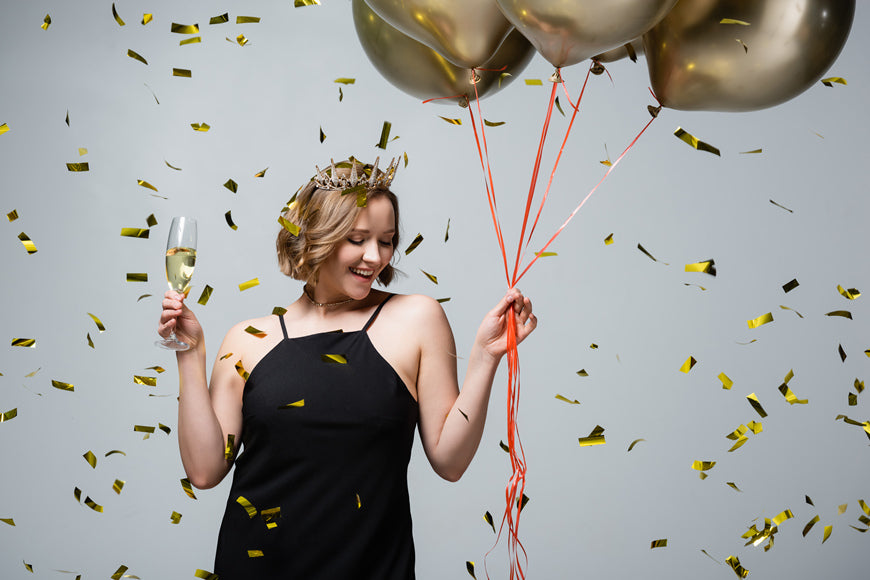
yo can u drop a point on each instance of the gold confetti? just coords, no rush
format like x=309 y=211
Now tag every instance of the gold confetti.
x=91 y=459
x=841 y=509
x=608 y=240
x=188 y=489
x=521 y=502
x=783 y=516
x=545 y=254
x=753 y=400
x=115 y=15
x=703 y=465
x=226 y=356
x=46 y=22
x=687 y=366
x=249 y=284
x=247 y=19
x=83 y=151
x=144 y=429
x=93 y=505
x=279 y=310
x=255 y=553
x=299 y=403
x=763 y=319
x=781 y=206
x=175 y=517
x=334 y=358
x=221 y=19
x=754 y=151
x=859 y=386
x=504 y=447
x=567 y=400
x=864 y=506
x=493 y=123
x=28 y=566
x=135 y=233
x=727 y=383
x=289 y=226
x=648 y=255
x=241 y=370
x=249 y=508
x=792 y=309
x=192 y=40
x=322 y=135
x=406 y=165
x=828 y=82
x=137 y=276
x=255 y=331
x=358 y=502
x=4 y=128
x=270 y=516
x=841 y=352
x=413 y=246
x=593 y=346
x=261 y=173
x=733 y=486
x=151 y=221
x=206 y=294
x=136 y=56
x=596 y=437
x=115 y=452
x=469 y=565
x=25 y=342
x=9 y=521
x=841 y=313
x=810 y=525
x=185 y=28
x=62 y=386
x=633 y=443
x=8 y=415
x=147 y=381
x=241 y=40
x=827 y=533
x=451 y=121
x=201 y=127
x=534 y=82
x=229 y=217
x=118 y=486
x=204 y=574
x=556 y=102
x=755 y=427
x=385 y=135
x=442 y=300
x=78 y=167
x=229 y=448
x=12 y=215
x=463 y=414
x=345 y=81
x=733 y=21
x=850 y=294
x=663 y=543
x=182 y=72
x=582 y=373
x=693 y=141
x=706 y=267
x=143 y=296
x=145 y=184
x=734 y=562
x=146 y=18
x=27 y=243
x=487 y=517
x=434 y=279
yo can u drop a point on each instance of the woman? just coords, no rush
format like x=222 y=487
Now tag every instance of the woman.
x=326 y=396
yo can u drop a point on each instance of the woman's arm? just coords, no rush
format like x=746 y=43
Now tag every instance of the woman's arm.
x=206 y=415
x=452 y=422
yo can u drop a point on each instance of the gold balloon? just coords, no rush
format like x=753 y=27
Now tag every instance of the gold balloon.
x=465 y=32
x=697 y=62
x=422 y=72
x=568 y=31
x=632 y=49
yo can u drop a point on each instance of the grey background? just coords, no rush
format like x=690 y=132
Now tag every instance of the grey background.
x=594 y=510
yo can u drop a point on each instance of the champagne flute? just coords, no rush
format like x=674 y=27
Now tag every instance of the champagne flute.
x=180 y=261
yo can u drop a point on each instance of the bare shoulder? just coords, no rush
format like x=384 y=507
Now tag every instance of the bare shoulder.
x=418 y=308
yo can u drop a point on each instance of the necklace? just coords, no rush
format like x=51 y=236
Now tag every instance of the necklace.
x=323 y=304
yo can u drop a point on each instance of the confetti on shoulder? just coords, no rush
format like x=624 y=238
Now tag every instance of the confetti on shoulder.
x=299 y=403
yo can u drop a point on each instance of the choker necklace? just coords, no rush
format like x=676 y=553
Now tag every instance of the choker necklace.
x=323 y=304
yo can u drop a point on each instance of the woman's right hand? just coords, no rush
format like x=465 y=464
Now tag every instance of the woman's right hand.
x=179 y=318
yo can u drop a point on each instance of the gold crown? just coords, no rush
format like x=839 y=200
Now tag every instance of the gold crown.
x=367 y=177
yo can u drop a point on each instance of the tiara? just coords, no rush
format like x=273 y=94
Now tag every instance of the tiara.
x=367 y=178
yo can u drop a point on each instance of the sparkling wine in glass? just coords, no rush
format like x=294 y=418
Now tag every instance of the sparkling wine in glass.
x=180 y=261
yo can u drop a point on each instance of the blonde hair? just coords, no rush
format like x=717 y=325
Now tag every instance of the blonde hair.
x=324 y=218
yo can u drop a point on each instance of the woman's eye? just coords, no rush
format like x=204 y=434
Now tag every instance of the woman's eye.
x=387 y=243
x=355 y=242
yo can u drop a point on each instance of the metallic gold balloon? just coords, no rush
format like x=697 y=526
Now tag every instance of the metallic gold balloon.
x=466 y=32
x=697 y=62
x=568 y=31
x=632 y=49
x=422 y=72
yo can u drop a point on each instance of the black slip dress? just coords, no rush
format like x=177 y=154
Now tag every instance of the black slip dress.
x=320 y=488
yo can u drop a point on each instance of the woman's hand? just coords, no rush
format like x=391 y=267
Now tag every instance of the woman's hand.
x=179 y=318
x=492 y=334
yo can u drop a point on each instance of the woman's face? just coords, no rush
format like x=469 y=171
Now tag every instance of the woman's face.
x=356 y=262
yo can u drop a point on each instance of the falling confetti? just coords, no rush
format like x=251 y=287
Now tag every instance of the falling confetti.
x=249 y=284
x=763 y=319
x=687 y=366
x=596 y=437
x=693 y=141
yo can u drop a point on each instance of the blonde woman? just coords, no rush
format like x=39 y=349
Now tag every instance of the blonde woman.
x=333 y=394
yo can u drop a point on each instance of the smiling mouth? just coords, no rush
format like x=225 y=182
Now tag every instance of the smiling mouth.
x=362 y=273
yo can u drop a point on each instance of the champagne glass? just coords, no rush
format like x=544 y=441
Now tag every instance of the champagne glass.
x=180 y=260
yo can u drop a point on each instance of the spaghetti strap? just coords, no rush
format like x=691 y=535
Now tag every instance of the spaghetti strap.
x=283 y=327
x=376 y=312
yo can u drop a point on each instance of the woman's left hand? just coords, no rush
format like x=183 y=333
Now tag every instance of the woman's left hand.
x=492 y=334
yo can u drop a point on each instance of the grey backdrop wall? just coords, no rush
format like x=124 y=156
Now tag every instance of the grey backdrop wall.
x=593 y=511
